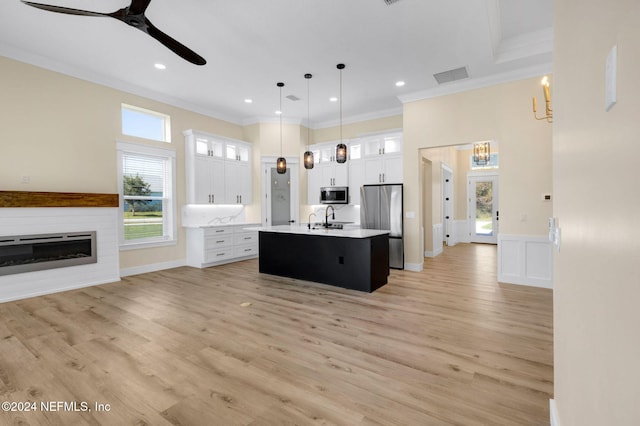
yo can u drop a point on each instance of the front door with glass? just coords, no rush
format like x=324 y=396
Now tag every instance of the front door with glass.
x=483 y=209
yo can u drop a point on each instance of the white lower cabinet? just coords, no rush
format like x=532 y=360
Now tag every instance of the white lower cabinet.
x=215 y=245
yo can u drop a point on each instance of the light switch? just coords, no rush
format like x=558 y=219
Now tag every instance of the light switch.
x=611 y=96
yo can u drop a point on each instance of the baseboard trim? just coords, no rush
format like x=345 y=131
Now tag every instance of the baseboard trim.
x=154 y=267
x=58 y=290
x=433 y=253
x=553 y=413
x=413 y=267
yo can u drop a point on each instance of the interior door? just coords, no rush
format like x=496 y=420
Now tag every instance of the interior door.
x=280 y=197
x=447 y=206
x=483 y=209
x=281 y=205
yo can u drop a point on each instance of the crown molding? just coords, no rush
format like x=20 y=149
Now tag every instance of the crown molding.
x=360 y=117
x=524 y=46
x=101 y=79
x=477 y=83
x=272 y=120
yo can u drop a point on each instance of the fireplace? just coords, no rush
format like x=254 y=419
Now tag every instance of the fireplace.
x=28 y=253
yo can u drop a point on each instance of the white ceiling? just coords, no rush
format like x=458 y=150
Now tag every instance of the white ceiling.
x=252 y=44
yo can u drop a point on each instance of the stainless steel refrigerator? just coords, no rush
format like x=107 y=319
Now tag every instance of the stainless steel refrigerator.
x=381 y=208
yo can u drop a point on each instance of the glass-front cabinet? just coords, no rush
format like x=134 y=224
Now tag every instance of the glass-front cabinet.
x=374 y=159
x=218 y=169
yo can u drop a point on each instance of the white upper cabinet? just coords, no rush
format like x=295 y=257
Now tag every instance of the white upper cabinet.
x=356 y=180
x=382 y=158
x=208 y=147
x=238 y=151
x=326 y=171
x=382 y=145
x=218 y=169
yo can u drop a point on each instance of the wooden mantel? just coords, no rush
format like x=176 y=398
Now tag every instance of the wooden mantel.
x=56 y=199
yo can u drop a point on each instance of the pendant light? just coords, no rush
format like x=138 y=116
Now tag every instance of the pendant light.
x=281 y=162
x=308 y=155
x=341 y=149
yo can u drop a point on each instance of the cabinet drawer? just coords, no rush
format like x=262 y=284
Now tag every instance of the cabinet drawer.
x=250 y=250
x=218 y=241
x=217 y=231
x=218 y=255
x=245 y=238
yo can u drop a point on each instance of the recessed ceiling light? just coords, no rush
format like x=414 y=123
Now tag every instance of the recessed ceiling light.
x=334 y=99
x=248 y=101
x=399 y=83
x=160 y=66
x=278 y=112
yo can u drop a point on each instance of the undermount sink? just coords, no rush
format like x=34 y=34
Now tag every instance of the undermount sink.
x=330 y=225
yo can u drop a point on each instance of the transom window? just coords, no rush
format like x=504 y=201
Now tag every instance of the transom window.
x=491 y=164
x=144 y=123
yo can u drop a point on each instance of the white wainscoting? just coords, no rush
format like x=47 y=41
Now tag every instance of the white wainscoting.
x=436 y=241
x=23 y=221
x=461 y=231
x=526 y=260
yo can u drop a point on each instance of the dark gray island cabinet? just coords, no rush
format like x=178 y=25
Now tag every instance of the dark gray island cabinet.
x=356 y=259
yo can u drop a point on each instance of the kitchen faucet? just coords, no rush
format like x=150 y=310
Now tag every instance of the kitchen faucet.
x=309 y=225
x=326 y=215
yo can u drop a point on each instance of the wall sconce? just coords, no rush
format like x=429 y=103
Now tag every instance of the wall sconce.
x=547 y=100
x=481 y=153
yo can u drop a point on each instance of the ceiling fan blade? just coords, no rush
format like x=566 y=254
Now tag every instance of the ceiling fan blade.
x=174 y=45
x=60 y=9
x=138 y=6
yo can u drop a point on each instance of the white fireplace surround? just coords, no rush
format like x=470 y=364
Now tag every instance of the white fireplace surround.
x=46 y=220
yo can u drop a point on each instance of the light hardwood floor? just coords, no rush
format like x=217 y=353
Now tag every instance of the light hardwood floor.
x=447 y=346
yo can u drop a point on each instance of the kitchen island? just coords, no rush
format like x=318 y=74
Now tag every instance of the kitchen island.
x=357 y=259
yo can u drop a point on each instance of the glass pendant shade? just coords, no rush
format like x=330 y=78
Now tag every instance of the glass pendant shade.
x=281 y=165
x=308 y=160
x=281 y=162
x=341 y=153
x=341 y=148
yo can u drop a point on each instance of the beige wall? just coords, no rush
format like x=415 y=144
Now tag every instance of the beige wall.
x=354 y=130
x=501 y=113
x=62 y=132
x=597 y=271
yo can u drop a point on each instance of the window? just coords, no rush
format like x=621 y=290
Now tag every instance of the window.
x=146 y=184
x=144 y=123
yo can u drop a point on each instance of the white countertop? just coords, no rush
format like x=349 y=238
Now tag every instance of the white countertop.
x=297 y=229
x=220 y=225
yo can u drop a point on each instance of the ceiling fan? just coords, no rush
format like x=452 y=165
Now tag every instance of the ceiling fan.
x=132 y=15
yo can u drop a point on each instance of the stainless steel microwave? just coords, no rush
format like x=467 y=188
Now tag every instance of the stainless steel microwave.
x=334 y=195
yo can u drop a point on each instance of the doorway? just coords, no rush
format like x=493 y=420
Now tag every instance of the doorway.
x=280 y=192
x=483 y=209
x=447 y=205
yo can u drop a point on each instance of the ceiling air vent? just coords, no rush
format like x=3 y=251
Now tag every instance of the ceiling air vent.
x=390 y=2
x=293 y=98
x=451 y=75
